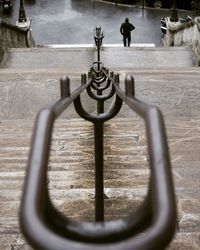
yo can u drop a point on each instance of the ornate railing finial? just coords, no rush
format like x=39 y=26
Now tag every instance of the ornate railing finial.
x=98 y=38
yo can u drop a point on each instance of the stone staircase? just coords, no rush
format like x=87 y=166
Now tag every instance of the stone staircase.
x=26 y=86
x=81 y=58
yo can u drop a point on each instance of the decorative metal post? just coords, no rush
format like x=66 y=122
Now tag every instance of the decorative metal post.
x=98 y=38
x=174 y=13
x=98 y=138
x=99 y=171
x=143 y=8
x=22 y=14
x=142 y=4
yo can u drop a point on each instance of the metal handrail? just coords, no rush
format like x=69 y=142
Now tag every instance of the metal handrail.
x=45 y=231
x=151 y=226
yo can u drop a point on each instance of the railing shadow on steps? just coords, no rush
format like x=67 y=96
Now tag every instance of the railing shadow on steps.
x=152 y=226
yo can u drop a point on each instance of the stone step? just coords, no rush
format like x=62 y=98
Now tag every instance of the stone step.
x=29 y=80
x=79 y=179
x=104 y=46
x=71 y=177
x=183 y=241
x=82 y=58
x=174 y=91
x=82 y=193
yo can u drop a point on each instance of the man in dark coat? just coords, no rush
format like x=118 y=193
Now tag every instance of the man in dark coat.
x=125 y=30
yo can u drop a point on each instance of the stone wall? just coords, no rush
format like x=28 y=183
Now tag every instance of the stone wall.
x=184 y=34
x=12 y=36
x=196 y=50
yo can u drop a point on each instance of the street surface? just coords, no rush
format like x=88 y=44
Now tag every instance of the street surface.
x=73 y=21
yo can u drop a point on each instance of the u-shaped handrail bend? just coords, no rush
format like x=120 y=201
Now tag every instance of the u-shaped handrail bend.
x=46 y=228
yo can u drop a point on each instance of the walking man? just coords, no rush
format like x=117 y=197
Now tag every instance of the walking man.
x=125 y=30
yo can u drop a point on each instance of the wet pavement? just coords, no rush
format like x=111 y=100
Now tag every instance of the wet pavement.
x=73 y=21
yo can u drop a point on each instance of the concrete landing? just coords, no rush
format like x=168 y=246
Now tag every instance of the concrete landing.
x=82 y=58
x=23 y=93
x=104 y=46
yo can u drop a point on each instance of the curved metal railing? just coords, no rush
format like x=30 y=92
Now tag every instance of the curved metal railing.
x=47 y=228
x=150 y=227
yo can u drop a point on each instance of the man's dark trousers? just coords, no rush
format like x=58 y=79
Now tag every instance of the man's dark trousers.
x=127 y=39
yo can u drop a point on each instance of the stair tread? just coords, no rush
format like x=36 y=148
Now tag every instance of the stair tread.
x=174 y=91
x=126 y=176
x=171 y=82
x=183 y=241
x=82 y=58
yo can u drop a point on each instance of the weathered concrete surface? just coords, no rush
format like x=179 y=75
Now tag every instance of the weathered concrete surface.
x=47 y=58
x=71 y=173
x=196 y=50
x=174 y=91
x=76 y=59
x=16 y=99
x=147 y=58
x=12 y=36
x=185 y=34
x=40 y=70
x=24 y=90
